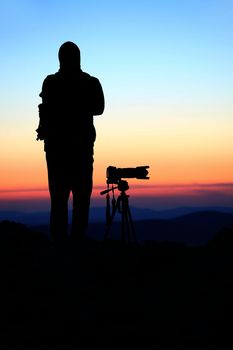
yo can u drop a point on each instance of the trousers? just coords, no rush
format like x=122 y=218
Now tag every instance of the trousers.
x=69 y=171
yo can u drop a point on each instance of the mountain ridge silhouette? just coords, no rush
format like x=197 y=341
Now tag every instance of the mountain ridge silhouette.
x=190 y=229
x=97 y=214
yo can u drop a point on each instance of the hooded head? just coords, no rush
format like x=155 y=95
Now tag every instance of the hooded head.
x=69 y=56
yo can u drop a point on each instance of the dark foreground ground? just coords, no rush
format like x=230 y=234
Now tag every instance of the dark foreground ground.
x=169 y=296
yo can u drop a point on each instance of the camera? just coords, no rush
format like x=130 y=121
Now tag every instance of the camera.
x=114 y=175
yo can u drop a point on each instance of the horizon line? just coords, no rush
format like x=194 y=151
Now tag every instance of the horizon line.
x=136 y=186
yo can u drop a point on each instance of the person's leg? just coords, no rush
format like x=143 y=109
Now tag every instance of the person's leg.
x=59 y=195
x=80 y=215
x=59 y=214
x=82 y=189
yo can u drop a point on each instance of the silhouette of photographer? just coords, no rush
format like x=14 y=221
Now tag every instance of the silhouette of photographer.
x=70 y=99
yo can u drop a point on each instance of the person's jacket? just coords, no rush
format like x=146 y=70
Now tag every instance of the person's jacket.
x=69 y=102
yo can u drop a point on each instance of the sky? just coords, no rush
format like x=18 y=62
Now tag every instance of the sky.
x=167 y=74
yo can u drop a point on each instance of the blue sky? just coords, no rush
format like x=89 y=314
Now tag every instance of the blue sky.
x=175 y=42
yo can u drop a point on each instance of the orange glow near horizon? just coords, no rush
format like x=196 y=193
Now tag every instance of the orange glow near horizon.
x=192 y=158
x=135 y=190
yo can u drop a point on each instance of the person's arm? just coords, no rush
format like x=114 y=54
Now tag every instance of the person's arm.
x=41 y=130
x=98 y=97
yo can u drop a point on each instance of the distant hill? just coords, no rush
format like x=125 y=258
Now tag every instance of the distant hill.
x=191 y=229
x=26 y=218
x=194 y=228
x=97 y=214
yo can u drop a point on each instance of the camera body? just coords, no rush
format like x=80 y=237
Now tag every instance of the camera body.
x=114 y=175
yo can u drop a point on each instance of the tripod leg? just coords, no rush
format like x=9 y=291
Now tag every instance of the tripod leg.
x=122 y=223
x=126 y=236
x=125 y=220
x=132 y=225
x=128 y=227
x=111 y=219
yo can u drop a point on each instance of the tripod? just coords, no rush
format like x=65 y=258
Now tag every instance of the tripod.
x=121 y=206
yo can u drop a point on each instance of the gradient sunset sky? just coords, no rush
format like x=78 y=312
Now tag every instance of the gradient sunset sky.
x=166 y=68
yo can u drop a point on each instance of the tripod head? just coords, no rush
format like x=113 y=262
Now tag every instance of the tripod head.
x=122 y=186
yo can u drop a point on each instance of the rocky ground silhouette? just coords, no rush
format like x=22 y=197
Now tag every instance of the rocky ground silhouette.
x=104 y=293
